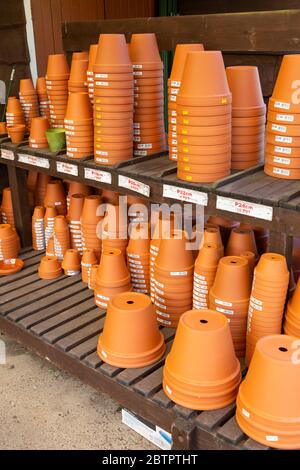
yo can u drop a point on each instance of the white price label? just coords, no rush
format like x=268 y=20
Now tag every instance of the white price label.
x=32 y=160
x=134 y=185
x=282 y=160
x=7 y=154
x=246 y=208
x=97 y=175
x=285 y=117
x=186 y=195
x=67 y=168
x=281 y=105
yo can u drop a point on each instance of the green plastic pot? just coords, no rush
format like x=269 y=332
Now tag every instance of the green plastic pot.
x=56 y=139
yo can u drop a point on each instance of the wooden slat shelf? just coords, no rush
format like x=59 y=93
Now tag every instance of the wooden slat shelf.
x=63 y=326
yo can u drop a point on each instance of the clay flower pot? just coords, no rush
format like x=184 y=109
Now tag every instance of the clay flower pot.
x=39 y=126
x=57 y=67
x=3 y=129
x=292 y=315
x=55 y=196
x=212 y=235
x=16 y=133
x=130 y=337
x=241 y=240
x=244 y=84
x=283 y=90
x=112 y=271
x=79 y=109
x=143 y=50
x=232 y=281
x=88 y=259
x=26 y=87
x=71 y=263
x=173 y=255
x=78 y=72
x=198 y=384
x=225 y=225
x=272 y=420
x=49 y=268
x=180 y=55
x=76 y=206
x=112 y=54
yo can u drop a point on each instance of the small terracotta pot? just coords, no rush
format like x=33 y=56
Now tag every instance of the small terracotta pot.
x=3 y=129
x=16 y=133
x=26 y=87
x=71 y=263
x=112 y=54
x=49 y=268
x=241 y=240
x=197 y=384
x=112 y=270
x=76 y=206
x=39 y=125
x=180 y=55
x=142 y=345
x=79 y=108
x=89 y=211
x=272 y=266
x=57 y=67
x=88 y=259
x=232 y=281
x=55 y=196
x=283 y=90
x=173 y=255
x=244 y=84
x=272 y=420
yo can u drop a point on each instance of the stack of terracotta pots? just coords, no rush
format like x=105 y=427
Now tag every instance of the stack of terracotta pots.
x=92 y=280
x=55 y=196
x=282 y=158
x=130 y=338
x=269 y=290
x=268 y=407
x=149 y=131
x=88 y=260
x=49 y=268
x=9 y=242
x=38 y=232
x=138 y=258
x=71 y=263
x=225 y=226
x=7 y=212
x=292 y=314
x=91 y=236
x=112 y=277
x=138 y=210
x=113 y=101
x=77 y=188
x=79 y=125
x=192 y=381
x=240 y=241
x=37 y=137
x=49 y=219
x=212 y=235
x=230 y=295
x=57 y=88
x=204 y=274
x=14 y=112
x=41 y=188
x=41 y=90
x=29 y=100
x=114 y=228
x=50 y=251
x=173 y=274
x=61 y=237
x=248 y=117
x=90 y=71
x=204 y=141
x=74 y=221
x=261 y=235
x=78 y=78
x=174 y=84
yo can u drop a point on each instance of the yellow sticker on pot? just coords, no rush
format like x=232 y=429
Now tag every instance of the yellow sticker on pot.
x=186 y=121
x=184 y=131
x=185 y=159
x=187 y=168
x=185 y=141
x=185 y=150
x=185 y=113
x=224 y=101
x=188 y=178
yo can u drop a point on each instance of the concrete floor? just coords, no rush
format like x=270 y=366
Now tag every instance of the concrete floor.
x=42 y=407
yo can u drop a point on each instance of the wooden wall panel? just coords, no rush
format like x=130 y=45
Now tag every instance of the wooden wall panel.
x=130 y=8
x=197 y=7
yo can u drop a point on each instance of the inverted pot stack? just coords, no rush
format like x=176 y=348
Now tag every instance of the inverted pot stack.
x=55 y=196
x=89 y=225
x=174 y=84
x=240 y=241
x=7 y=213
x=77 y=188
x=149 y=130
x=292 y=314
x=78 y=78
x=204 y=274
x=248 y=117
x=49 y=219
x=79 y=125
x=173 y=277
x=61 y=237
x=282 y=158
x=113 y=101
x=14 y=112
x=41 y=90
x=37 y=137
x=268 y=295
x=29 y=100
x=74 y=221
x=138 y=258
x=90 y=71
x=9 y=242
x=230 y=295
x=204 y=103
x=57 y=88
x=88 y=260
x=38 y=231
x=114 y=229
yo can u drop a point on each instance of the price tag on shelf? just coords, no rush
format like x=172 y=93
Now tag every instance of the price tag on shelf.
x=67 y=168
x=184 y=194
x=7 y=154
x=251 y=209
x=33 y=160
x=97 y=175
x=134 y=185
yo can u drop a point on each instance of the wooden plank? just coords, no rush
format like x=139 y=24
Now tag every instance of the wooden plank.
x=150 y=384
x=194 y=7
x=236 y=32
x=162 y=399
x=35 y=301
x=40 y=322
x=93 y=360
x=185 y=413
x=211 y=419
x=231 y=432
x=109 y=370
x=84 y=349
x=23 y=283
x=35 y=285
x=69 y=342
x=30 y=267
x=250 y=444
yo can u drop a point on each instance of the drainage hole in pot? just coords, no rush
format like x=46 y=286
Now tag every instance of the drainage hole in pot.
x=282 y=349
x=203 y=321
x=233 y=262
x=130 y=302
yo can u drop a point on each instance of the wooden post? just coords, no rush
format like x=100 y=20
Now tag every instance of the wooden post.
x=22 y=213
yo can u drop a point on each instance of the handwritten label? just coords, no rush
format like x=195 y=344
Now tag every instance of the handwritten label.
x=7 y=154
x=186 y=195
x=97 y=175
x=246 y=208
x=67 y=168
x=32 y=160
x=134 y=185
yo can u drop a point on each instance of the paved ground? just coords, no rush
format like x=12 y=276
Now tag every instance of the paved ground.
x=42 y=407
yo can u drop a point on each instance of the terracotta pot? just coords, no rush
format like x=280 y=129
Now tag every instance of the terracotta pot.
x=251 y=258
x=92 y=56
x=241 y=240
x=271 y=420
x=76 y=206
x=112 y=54
x=112 y=270
x=3 y=129
x=282 y=97
x=113 y=115
x=39 y=125
x=283 y=117
x=283 y=129
x=173 y=255
x=232 y=281
x=244 y=84
x=180 y=55
x=78 y=71
x=272 y=266
x=89 y=211
x=79 y=109
x=11 y=266
x=55 y=196
x=26 y=87
x=142 y=345
x=197 y=384
x=49 y=268
x=88 y=259
x=143 y=50
x=83 y=55
x=57 y=67
x=16 y=133
x=71 y=263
